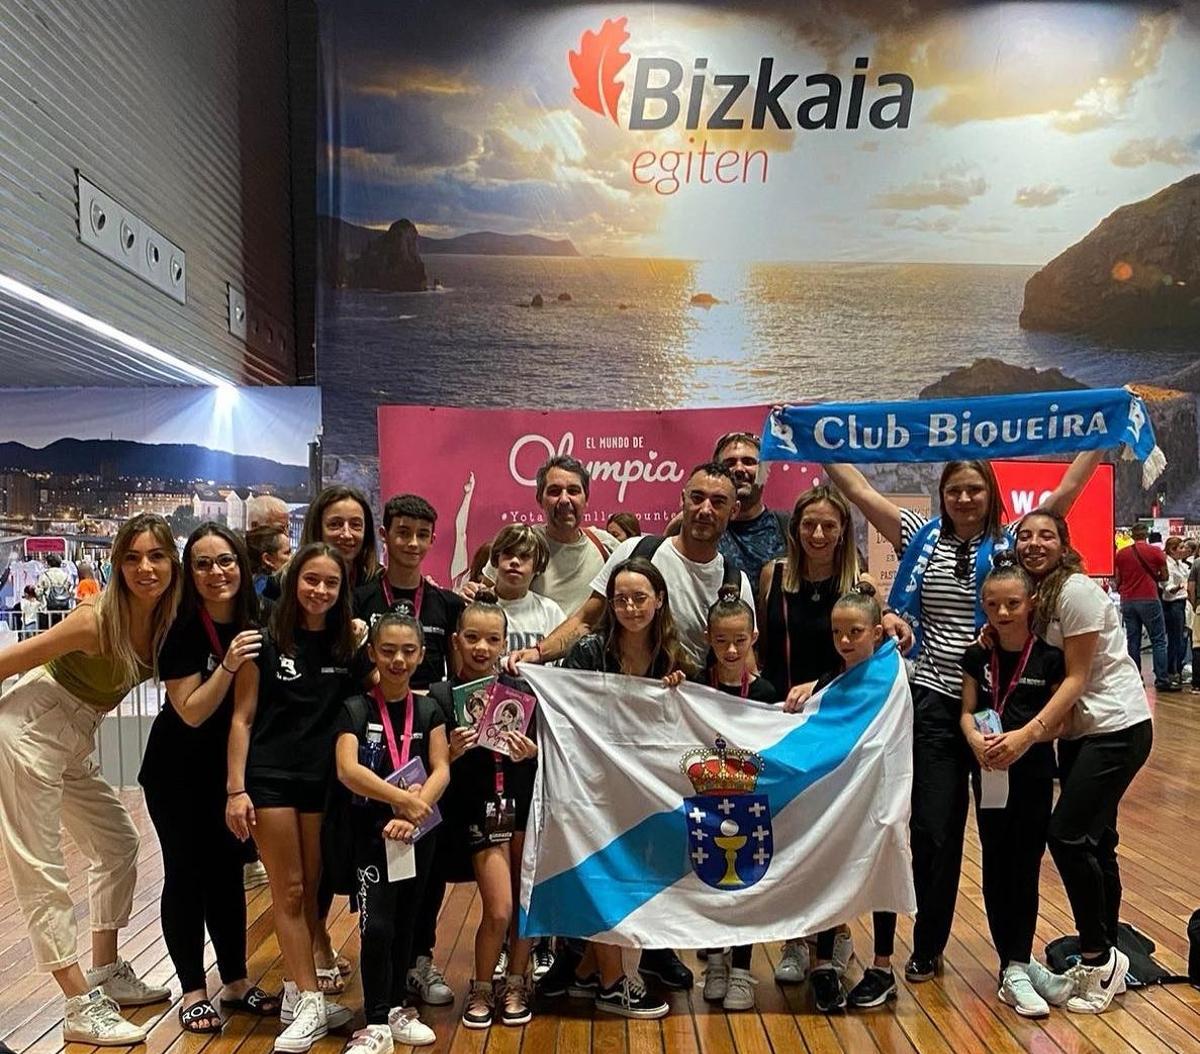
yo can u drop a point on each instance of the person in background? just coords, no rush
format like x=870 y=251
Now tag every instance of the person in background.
x=756 y=534
x=1175 y=605
x=1193 y=594
x=1140 y=569
x=623 y=525
x=31 y=609
x=74 y=673
x=54 y=590
x=270 y=549
x=266 y=510
x=87 y=585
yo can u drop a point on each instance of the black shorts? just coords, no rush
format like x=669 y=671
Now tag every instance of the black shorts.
x=275 y=792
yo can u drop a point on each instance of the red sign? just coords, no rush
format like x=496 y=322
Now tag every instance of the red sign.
x=1024 y=485
x=478 y=467
x=45 y=544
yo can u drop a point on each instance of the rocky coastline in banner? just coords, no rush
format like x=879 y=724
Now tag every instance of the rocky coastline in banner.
x=482 y=313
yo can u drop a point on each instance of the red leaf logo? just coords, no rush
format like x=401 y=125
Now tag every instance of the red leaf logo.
x=596 y=64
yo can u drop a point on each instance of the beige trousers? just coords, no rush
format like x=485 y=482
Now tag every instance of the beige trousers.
x=48 y=781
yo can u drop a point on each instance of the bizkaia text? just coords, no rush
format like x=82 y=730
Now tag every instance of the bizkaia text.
x=658 y=101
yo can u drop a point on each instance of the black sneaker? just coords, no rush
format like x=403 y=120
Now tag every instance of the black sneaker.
x=560 y=977
x=664 y=966
x=876 y=988
x=918 y=969
x=629 y=998
x=827 y=989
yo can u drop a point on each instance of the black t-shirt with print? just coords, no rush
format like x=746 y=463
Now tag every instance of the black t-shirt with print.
x=359 y=711
x=440 y=610
x=192 y=760
x=1042 y=674
x=299 y=697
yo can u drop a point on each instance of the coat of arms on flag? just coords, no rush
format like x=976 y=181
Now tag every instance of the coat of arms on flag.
x=730 y=841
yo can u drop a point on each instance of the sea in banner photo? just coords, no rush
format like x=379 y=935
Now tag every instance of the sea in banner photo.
x=627 y=333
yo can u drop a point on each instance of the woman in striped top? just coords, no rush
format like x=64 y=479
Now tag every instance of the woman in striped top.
x=944 y=560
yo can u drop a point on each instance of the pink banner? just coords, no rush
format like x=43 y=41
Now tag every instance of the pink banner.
x=478 y=467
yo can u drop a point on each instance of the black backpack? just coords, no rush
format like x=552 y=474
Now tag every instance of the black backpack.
x=1063 y=953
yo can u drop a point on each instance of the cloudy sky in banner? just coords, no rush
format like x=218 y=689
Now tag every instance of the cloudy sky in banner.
x=1030 y=123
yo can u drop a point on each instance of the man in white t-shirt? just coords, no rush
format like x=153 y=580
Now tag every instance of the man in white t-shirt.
x=690 y=563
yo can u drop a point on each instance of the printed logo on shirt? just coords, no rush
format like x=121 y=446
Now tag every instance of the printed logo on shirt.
x=334 y=669
x=287 y=669
x=212 y=664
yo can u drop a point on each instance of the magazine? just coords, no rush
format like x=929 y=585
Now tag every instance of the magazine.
x=470 y=700
x=508 y=710
x=413 y=774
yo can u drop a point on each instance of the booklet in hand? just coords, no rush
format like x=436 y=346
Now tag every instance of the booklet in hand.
x=507 y=711
x=413 y=774
x=470 y=700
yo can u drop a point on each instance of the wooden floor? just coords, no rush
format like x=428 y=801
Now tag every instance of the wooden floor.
x=959 y=1012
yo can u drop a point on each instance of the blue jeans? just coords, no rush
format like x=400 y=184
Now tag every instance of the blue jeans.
x=1175 y=614
x=1147 y=614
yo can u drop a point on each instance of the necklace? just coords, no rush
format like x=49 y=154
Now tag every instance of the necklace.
x=818 y=589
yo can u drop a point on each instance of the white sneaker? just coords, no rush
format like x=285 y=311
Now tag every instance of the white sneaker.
x=306 y=1025
x=124 y=987
x=543 y=960
x=1053 y=987
x=501 y=970
x=793 y=963
x=94 y=1018
x=336 y=1015
x=740 y=993
x=1017 y=991
x=254 y=875
x=408 y=1028
x=843 y=952
x=426 y=982
x=374 y=1039
x=1095 y=986
x=716 y=977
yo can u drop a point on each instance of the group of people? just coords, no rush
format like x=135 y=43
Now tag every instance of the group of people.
x=1158 y=592
x=298 y=684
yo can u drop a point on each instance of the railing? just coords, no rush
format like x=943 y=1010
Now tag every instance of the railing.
x=121 y=738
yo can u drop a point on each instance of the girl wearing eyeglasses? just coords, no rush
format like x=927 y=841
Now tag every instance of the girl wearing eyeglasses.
x=183 y=775
x=943 y=562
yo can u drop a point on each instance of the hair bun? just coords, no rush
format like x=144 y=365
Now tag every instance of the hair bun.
x=729 y=593
x=863 y=588
x=485 y=596
x=1005 y=558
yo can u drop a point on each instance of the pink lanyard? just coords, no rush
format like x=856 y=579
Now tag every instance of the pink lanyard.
x=213 y=640
x=745 y=681
x=994 y=662
x=399 y=754
x=416 y=600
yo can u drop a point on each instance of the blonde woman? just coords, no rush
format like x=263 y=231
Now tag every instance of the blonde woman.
x=74 y=673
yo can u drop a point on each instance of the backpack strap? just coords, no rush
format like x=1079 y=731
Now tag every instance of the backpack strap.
x=647 y=546
x=590 y=535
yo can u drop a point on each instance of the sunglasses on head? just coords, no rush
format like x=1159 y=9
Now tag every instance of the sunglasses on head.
x=962 y=562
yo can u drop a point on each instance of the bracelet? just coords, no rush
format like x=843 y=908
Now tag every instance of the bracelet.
x=540 y=648
x=888 y=611
x=232 y=673
x=1042 y=723
x=234 y=794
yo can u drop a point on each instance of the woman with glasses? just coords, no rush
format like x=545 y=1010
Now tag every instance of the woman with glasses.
x=945 y=560
x=183 y=774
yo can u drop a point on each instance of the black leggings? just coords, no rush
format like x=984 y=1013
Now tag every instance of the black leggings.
x=1013 y=840
x=387 y=916
x=202 y=885
x=1094 y=772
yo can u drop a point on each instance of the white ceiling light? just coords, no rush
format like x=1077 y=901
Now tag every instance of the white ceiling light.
x=103 y=329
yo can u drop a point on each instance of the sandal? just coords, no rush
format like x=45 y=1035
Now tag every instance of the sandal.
x=344 y=965
x=200 y=1018
x=255 y=1001
x=329 y=980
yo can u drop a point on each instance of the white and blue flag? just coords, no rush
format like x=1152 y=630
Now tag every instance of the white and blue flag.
x=688 y=818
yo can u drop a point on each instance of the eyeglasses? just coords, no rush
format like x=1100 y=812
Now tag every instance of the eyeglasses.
x=637 y=601
x=203 y=565
x=962 y=562
x=737 y=437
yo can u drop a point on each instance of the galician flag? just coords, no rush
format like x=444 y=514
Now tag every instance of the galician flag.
x=688 y=818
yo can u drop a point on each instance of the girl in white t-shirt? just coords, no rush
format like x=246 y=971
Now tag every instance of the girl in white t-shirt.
x=1105 y=740
x=519 y=553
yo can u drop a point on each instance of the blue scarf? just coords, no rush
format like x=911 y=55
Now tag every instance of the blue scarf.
x=991 y=426
x=905 y=597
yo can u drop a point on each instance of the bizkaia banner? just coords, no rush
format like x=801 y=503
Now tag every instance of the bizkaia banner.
x=634 y=205
x=478 y=468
